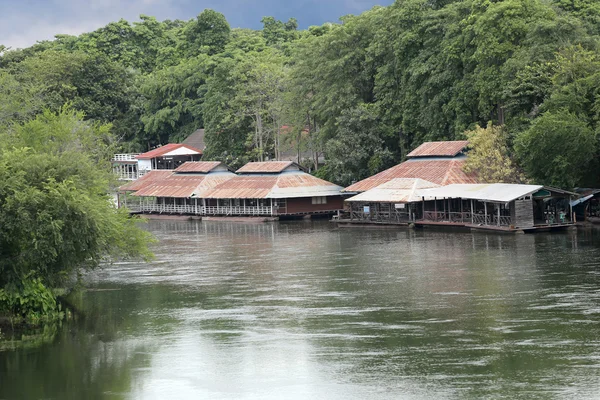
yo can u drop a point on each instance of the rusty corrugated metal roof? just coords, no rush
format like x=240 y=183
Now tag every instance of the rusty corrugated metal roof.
x=183 y=186
x=268 y=167
x=167 y=148
x=148 y=179
x=285 y=185
x=440 y=172
x=198 y=166
x=439 y=149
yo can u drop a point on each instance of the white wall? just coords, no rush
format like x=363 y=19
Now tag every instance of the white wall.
x=144 y=165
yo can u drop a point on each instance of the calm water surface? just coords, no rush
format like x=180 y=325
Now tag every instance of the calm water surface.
x=302 y=310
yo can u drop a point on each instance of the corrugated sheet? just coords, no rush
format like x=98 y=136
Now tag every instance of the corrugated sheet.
x=440 y=172
x=243 y=187
x=183 y=186
x=164 y=150
x=399 y=190
x=493 y=192
x=285 y=185
x=439 y=149
x=265 y=167
x=148 y=179
x=198 y=166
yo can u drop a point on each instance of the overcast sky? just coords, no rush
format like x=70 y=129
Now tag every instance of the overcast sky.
x=23 y=22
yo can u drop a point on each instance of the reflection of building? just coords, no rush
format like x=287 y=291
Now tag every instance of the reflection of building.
x=169 y=156
x=272 y=188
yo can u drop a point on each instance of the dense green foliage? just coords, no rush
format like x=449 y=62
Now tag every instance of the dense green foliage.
x=362 y=93
x=57 y=216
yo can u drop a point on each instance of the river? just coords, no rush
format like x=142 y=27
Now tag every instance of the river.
x=303 y=310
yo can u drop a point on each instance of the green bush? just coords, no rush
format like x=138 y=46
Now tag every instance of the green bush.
x=30 y=301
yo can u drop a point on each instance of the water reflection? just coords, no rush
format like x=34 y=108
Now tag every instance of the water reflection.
x=302 y=309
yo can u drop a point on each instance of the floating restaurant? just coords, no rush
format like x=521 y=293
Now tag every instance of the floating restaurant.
x=267 y=189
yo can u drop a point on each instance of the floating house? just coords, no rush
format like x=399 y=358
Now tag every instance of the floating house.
x=274 y=188
x=268 y=189
x=587 y=207
x=440 y=163
x=175 y=192
x=169 y=157
x=394 y=202
x=497 y=206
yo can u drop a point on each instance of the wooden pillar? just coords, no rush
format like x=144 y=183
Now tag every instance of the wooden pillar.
x=423 y=216
x=472 y=211
x=435 y=209
x=462 y=215
x=449 y=211
x=498 y=222
x=485 y=212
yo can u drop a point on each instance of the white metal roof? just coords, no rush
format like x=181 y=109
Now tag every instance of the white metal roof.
x=492 y=192
x=399 y=190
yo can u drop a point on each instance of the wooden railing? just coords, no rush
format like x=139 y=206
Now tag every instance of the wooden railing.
x=199 y=210
x=165 y=208
x=239 y=210
x=125 y=157
x=479 y=219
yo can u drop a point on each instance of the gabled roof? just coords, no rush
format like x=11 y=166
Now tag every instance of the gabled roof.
x=439 y=149
x=399 y=190
x=491 y=192
x=440 y=172
x=183 y=186
x=202 y=167
x=285 y=185
x=267 y=167
x=178 y=148
x=196 y=139
x=149 y=178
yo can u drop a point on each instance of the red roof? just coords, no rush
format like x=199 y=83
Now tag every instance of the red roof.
x=198 y=166
x=440 y=172
x=148 y=179
x=167 y=148
x=265 y=167
x=439 y=149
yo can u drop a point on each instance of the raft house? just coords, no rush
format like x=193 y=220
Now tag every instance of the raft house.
x=261 y=189
x=495 y=206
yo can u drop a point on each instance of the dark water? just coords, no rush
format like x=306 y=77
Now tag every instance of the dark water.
x=305 y=311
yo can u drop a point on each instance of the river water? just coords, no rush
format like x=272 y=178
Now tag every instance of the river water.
x=303 y=310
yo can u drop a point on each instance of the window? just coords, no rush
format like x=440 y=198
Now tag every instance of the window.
x=319 y=200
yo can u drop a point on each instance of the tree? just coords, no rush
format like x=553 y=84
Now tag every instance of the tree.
x=558 y=149
x=208 y=34
x=56 y=214
x=490 y=157
x=359 y=149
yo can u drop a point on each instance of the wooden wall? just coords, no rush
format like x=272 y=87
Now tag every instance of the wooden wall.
x=523 y=213
x=303 y=205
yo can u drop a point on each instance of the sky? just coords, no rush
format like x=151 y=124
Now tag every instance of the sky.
x=24 y=22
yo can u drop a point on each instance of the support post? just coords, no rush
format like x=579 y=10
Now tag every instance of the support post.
x=435 y=209
x=498 y=205
x=485 y=212
x=472 y=211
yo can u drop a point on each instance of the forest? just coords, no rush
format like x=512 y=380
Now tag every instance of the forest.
x=520 y=78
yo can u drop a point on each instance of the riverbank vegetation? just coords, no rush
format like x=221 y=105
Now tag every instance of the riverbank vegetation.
x=57 y=216
x=362 y=92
